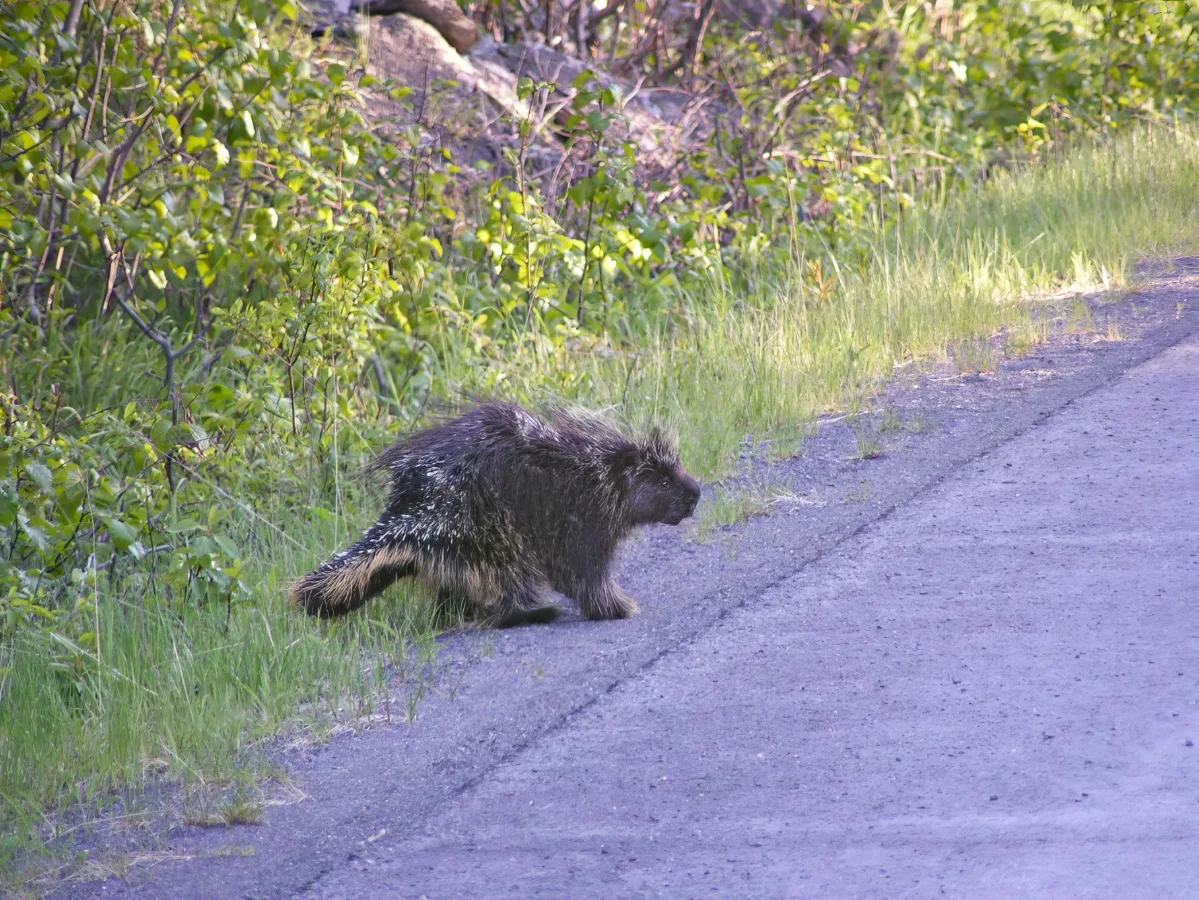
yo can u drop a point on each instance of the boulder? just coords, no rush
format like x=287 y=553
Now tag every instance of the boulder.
x=654 y=136
x=470 y=99
x=417 y=54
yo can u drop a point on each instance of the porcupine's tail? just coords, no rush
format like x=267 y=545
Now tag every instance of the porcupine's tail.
x=356 y=574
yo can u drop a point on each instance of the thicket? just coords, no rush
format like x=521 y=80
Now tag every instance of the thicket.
x=226 y=275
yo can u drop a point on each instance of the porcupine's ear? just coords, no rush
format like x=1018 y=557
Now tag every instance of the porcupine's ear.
x=624 y=461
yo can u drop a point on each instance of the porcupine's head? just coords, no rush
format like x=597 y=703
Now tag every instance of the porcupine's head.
x=660 y=490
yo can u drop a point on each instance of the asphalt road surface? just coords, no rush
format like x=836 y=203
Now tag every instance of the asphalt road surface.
x=981 y=682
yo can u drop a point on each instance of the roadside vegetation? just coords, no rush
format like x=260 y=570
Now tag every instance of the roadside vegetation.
x=233 y=262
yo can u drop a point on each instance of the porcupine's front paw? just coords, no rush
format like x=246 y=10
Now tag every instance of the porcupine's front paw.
x=608 y=602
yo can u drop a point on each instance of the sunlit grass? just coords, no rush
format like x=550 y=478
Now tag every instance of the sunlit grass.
x=191 y=693
x=826 y=325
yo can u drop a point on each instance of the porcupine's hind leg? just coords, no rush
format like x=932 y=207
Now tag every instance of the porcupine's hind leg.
x=522 y=600
x=500 y=577
x=501 y=597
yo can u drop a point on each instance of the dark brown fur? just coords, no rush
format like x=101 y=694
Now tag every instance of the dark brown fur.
x=497 y=505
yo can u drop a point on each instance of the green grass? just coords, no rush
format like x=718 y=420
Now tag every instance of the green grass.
x=951 y=273
x=236 y=810
x=867 y=443
x=191 y=694
x=733 y=505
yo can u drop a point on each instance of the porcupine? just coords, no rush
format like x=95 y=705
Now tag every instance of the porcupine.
x=497 y=505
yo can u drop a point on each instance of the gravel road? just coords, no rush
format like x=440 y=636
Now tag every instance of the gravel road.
x=969 y=668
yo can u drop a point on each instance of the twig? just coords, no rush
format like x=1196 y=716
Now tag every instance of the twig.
x=100 y=567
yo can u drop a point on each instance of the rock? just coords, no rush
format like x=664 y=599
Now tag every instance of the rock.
x=655 y=136
x=465 y=105
x=461 y=97
x=415 y=53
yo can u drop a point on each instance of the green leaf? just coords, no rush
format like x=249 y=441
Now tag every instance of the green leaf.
x=41 y=476
x=583 y=192
x=227 y=547
x=8 y=511
x=159 y=432
x=248 y=122
x=222 y=154
x=187 y=434
x=27 y=140
x=35 y=535
x=583 y=79
x=122 y=535
x=208 y=276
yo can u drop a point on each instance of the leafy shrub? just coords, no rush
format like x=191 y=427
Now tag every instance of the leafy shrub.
x=223 y=282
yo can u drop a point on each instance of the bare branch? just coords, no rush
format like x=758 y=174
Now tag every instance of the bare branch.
x=72 y=22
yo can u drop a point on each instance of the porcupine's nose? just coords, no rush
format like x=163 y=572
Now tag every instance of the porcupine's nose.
x=694 y=492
